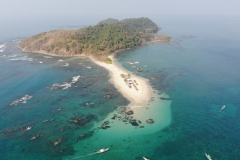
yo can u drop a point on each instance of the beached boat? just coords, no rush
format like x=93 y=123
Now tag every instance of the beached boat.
x=102 y=150
x=208 y=156
x=145 y=158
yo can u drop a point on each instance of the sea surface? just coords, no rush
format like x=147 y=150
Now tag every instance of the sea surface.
x=198 y=70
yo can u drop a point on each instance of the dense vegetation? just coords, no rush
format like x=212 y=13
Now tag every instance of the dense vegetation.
x=100 y=40
x=108 y=21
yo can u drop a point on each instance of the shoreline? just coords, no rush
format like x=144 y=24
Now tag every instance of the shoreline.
x=136 y=97
x=85 y=55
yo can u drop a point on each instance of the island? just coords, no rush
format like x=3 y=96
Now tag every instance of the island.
x=98 y=43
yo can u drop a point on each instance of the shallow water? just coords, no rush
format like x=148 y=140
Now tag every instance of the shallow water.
x=200 y=74
x=197 y=69
x=60 y=107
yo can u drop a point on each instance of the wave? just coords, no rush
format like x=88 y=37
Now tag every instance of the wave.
x=47 y=57
x=13 y=56
x=135 y=107
x=2 y=46
x=21 y=59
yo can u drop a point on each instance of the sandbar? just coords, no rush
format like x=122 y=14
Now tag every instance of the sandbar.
x=136 y=97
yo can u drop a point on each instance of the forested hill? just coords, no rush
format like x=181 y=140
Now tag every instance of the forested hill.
x=133 y=24
x=99 y=40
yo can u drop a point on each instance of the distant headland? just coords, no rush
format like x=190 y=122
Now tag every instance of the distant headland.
x=99 y=41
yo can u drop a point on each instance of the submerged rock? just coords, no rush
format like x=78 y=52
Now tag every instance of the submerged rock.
x=57 y=142
x=134 y=123
x=165 y=98
x=105 y=127
x=34 y=137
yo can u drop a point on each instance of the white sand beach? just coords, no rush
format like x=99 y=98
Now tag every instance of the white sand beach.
x=119 y=131
x=136 y=97
x=140 y=102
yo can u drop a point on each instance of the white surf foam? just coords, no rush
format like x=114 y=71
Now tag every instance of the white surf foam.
x=11 y=56
x=21 y=59
x=2 y=46
x=47 y=57
x=65 y=64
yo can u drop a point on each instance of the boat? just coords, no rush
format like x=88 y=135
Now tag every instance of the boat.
x=223 y=107
x=102 y=150
x=40 y=61
x=208 y=156
x=145 y=158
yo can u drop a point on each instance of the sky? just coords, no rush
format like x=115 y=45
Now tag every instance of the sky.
x=30 y=13
x=99 y=9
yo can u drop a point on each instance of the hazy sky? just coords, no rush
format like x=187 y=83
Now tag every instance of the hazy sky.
x=27 y=17
x=99 y=9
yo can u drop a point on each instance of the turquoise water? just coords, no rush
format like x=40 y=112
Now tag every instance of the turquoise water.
x=198 y=69
x=200 y=72
x=60 y=107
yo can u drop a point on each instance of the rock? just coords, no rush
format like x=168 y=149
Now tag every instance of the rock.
x=107 y=96
x=134 y=123
x=130 y=112
x=56 y=143
x=105 y=127
x=165 y=98
x=150 y=121
x=33 y=138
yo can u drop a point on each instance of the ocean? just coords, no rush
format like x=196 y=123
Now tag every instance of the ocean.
x=198 y=70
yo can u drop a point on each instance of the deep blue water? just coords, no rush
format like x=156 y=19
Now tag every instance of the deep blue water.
x=198 y=69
